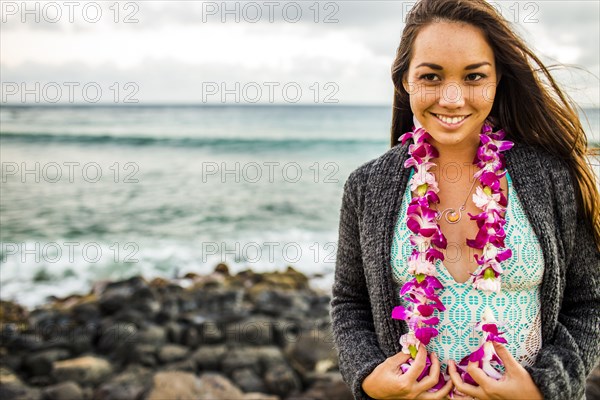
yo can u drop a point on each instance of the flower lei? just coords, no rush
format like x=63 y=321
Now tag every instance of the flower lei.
x=420 y=292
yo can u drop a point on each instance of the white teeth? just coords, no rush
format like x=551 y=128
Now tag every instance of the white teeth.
x=448 y=120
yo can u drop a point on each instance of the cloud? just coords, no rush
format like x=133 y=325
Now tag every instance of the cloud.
x=161 y=80
x=176 y=46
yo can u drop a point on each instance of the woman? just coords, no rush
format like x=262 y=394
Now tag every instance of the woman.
x=462 y=78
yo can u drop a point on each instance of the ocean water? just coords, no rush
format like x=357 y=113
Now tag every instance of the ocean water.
x=94 y=193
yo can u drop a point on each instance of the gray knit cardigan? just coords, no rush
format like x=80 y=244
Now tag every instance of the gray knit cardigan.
x=364 y=292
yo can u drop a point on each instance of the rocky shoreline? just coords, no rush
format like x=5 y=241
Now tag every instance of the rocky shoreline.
x=218 y=336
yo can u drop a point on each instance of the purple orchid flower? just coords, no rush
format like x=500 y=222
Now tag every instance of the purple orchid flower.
x=495 y=138
x=423 y=152
x=422 y=315
x=417 y=319
x=493 y=334
x=493 y=256
x=488 y=200
x=421 y=225
x=417 y=295
x=490 y=218
x=419 y=135
x=441 y=381
x=423 y=245
x=427 y=287
x=418 y=264
x=488 y=284
x=423 y=181
x=420 y=206
x=485 y=355
x=489 y=233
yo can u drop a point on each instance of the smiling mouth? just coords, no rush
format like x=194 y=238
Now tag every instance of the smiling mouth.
x=450 y=119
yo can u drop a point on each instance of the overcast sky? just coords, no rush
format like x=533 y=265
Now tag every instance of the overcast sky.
x=189 y=51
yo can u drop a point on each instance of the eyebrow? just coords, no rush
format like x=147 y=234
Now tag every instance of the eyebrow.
x=439 y=67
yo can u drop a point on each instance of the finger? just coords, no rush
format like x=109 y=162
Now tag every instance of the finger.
x=445 y=390
x=397 y=359
x=479 y=376
x=507 y=359
x=454 y=377
x=470 y=390
x=433 y=377
x=434 y=370
x=452 y=371
x=460 y=396
x=418 y=365
x=442 y=393
x=457 y=395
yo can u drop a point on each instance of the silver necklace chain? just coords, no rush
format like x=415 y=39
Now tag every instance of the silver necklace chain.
x=450 y=214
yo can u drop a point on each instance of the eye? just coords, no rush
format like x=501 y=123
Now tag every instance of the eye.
x=428 y=77
x=482 y=76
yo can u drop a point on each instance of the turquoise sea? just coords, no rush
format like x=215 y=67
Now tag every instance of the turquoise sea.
x=107 y=192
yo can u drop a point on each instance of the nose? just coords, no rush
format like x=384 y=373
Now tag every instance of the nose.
x=452 y=95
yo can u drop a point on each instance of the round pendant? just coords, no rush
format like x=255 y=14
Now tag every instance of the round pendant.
x=452 y=217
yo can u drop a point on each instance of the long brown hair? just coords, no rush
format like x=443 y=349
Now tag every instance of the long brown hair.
x=530 y=110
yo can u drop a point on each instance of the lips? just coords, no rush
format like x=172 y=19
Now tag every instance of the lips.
x=450 y=120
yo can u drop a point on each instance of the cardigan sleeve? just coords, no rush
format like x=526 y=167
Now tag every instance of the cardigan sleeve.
x=563 y=364
x=351 y=317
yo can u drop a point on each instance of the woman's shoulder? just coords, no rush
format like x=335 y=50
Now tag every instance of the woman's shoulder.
x=546 y=175
x=539 y=159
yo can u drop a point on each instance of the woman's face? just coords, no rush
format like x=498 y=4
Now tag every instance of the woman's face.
x=451 y=81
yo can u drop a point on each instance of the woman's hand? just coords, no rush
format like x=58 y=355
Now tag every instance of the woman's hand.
x=387 y=381
x=515 y=384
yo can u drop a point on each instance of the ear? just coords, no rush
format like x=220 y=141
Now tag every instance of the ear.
x=405 y=83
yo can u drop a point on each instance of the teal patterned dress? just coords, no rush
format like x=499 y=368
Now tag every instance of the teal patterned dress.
x=518 y=303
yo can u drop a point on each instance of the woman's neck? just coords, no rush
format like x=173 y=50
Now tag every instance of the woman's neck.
x=455 y=163
x=462 y=154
